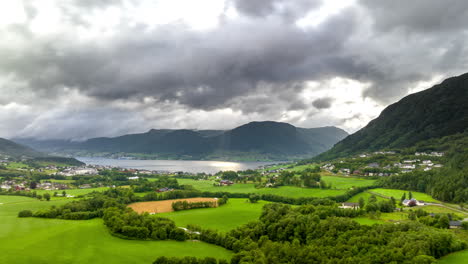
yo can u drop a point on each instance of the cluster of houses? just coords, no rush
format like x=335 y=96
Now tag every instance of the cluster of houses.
x=72 y=171
x=432 y=154
x=410 y=165
x=14 y=185
x=365 y=155
x=25 y=186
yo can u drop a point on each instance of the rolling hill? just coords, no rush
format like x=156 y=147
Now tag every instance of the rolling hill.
x=256 y=140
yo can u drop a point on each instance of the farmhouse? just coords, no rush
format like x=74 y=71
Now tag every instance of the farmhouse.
x=226 y=182
x=412 y=202
x=349 y=205
x=455 y=224
x=165 y=189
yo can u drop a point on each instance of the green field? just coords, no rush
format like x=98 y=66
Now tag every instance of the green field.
x=17 y=165
x=288 y=191
x=74 y=192
x=460 y=257
x=365 y=196
x=368 y=221
x=34 y=240
x=224 y=218
x=343 y=182
x=397 y=194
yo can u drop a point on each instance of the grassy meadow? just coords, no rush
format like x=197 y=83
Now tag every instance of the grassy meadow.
x=460 y=257
x=397 y=194
x=224 y=218
x=35 y=240
x=339 y=186
x=74 y=192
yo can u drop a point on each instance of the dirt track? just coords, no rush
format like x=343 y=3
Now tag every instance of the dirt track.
x=164 y=206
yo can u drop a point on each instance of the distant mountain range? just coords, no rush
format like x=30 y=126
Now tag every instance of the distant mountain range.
x=253 y=141
x=15 y=150
x=433 y=113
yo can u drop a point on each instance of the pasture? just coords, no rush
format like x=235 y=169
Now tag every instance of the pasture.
x=397 y=194
x=339 y=186
x=35 y=240
x=224 y=218
x=365 y=196
x=460 y=257
x=164 y=206
x=74 y=192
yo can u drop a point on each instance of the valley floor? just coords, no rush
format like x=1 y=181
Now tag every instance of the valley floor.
x=36 y=240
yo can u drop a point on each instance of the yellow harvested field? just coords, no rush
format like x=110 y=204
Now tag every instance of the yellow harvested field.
x=164 y=206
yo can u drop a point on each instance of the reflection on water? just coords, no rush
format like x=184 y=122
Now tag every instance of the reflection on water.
x=193 y=166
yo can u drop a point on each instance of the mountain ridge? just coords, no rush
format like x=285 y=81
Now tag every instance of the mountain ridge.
x=439 y=111
x=266 y=139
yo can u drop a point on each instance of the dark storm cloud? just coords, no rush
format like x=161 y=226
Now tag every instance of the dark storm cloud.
x=419 y=15
x=322 y=103
x=201 y=70
x=258 y=63
x=413 y=41
x=289 y=10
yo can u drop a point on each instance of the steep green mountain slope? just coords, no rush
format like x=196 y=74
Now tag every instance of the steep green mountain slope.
x=433 y=113
x=261 y=140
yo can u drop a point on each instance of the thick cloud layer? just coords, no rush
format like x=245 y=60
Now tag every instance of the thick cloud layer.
x=107 y=68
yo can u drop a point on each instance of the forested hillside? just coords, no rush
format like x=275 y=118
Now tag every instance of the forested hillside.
x=433 y=113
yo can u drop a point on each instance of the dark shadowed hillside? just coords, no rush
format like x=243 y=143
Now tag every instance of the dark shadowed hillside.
x=12 y=149
x=433 y=113
x=258 y=140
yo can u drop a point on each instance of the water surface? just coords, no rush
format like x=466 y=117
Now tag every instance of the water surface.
x=193 y=166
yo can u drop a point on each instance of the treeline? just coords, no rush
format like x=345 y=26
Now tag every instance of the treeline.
x=126 y=223
x=436 y=220
x=326 y=234
x=309 y=178
x=189 y=260
x=144 y=185
x=91 y=207
x=184 y=205
x=446 y=184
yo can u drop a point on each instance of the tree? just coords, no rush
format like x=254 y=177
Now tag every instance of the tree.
x=403 y=197
x=443 y=222
x=253 y=198
x=361 y=203
x=39 y=197
x=47 y=196
x=410 y=195
x=464 y=225
x=25 y=213
x=64 y=194
x=33 y=185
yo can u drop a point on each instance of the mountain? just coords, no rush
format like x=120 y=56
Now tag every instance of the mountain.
x=433 y=113
x=253 y=141
x=12 y=149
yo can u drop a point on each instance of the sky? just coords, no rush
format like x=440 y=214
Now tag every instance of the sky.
x=77 y=69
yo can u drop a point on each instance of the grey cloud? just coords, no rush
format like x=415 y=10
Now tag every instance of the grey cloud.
x=289 y=10
x=419 y=15
x=322 y=103
x=257 y=64
x=205 y=72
